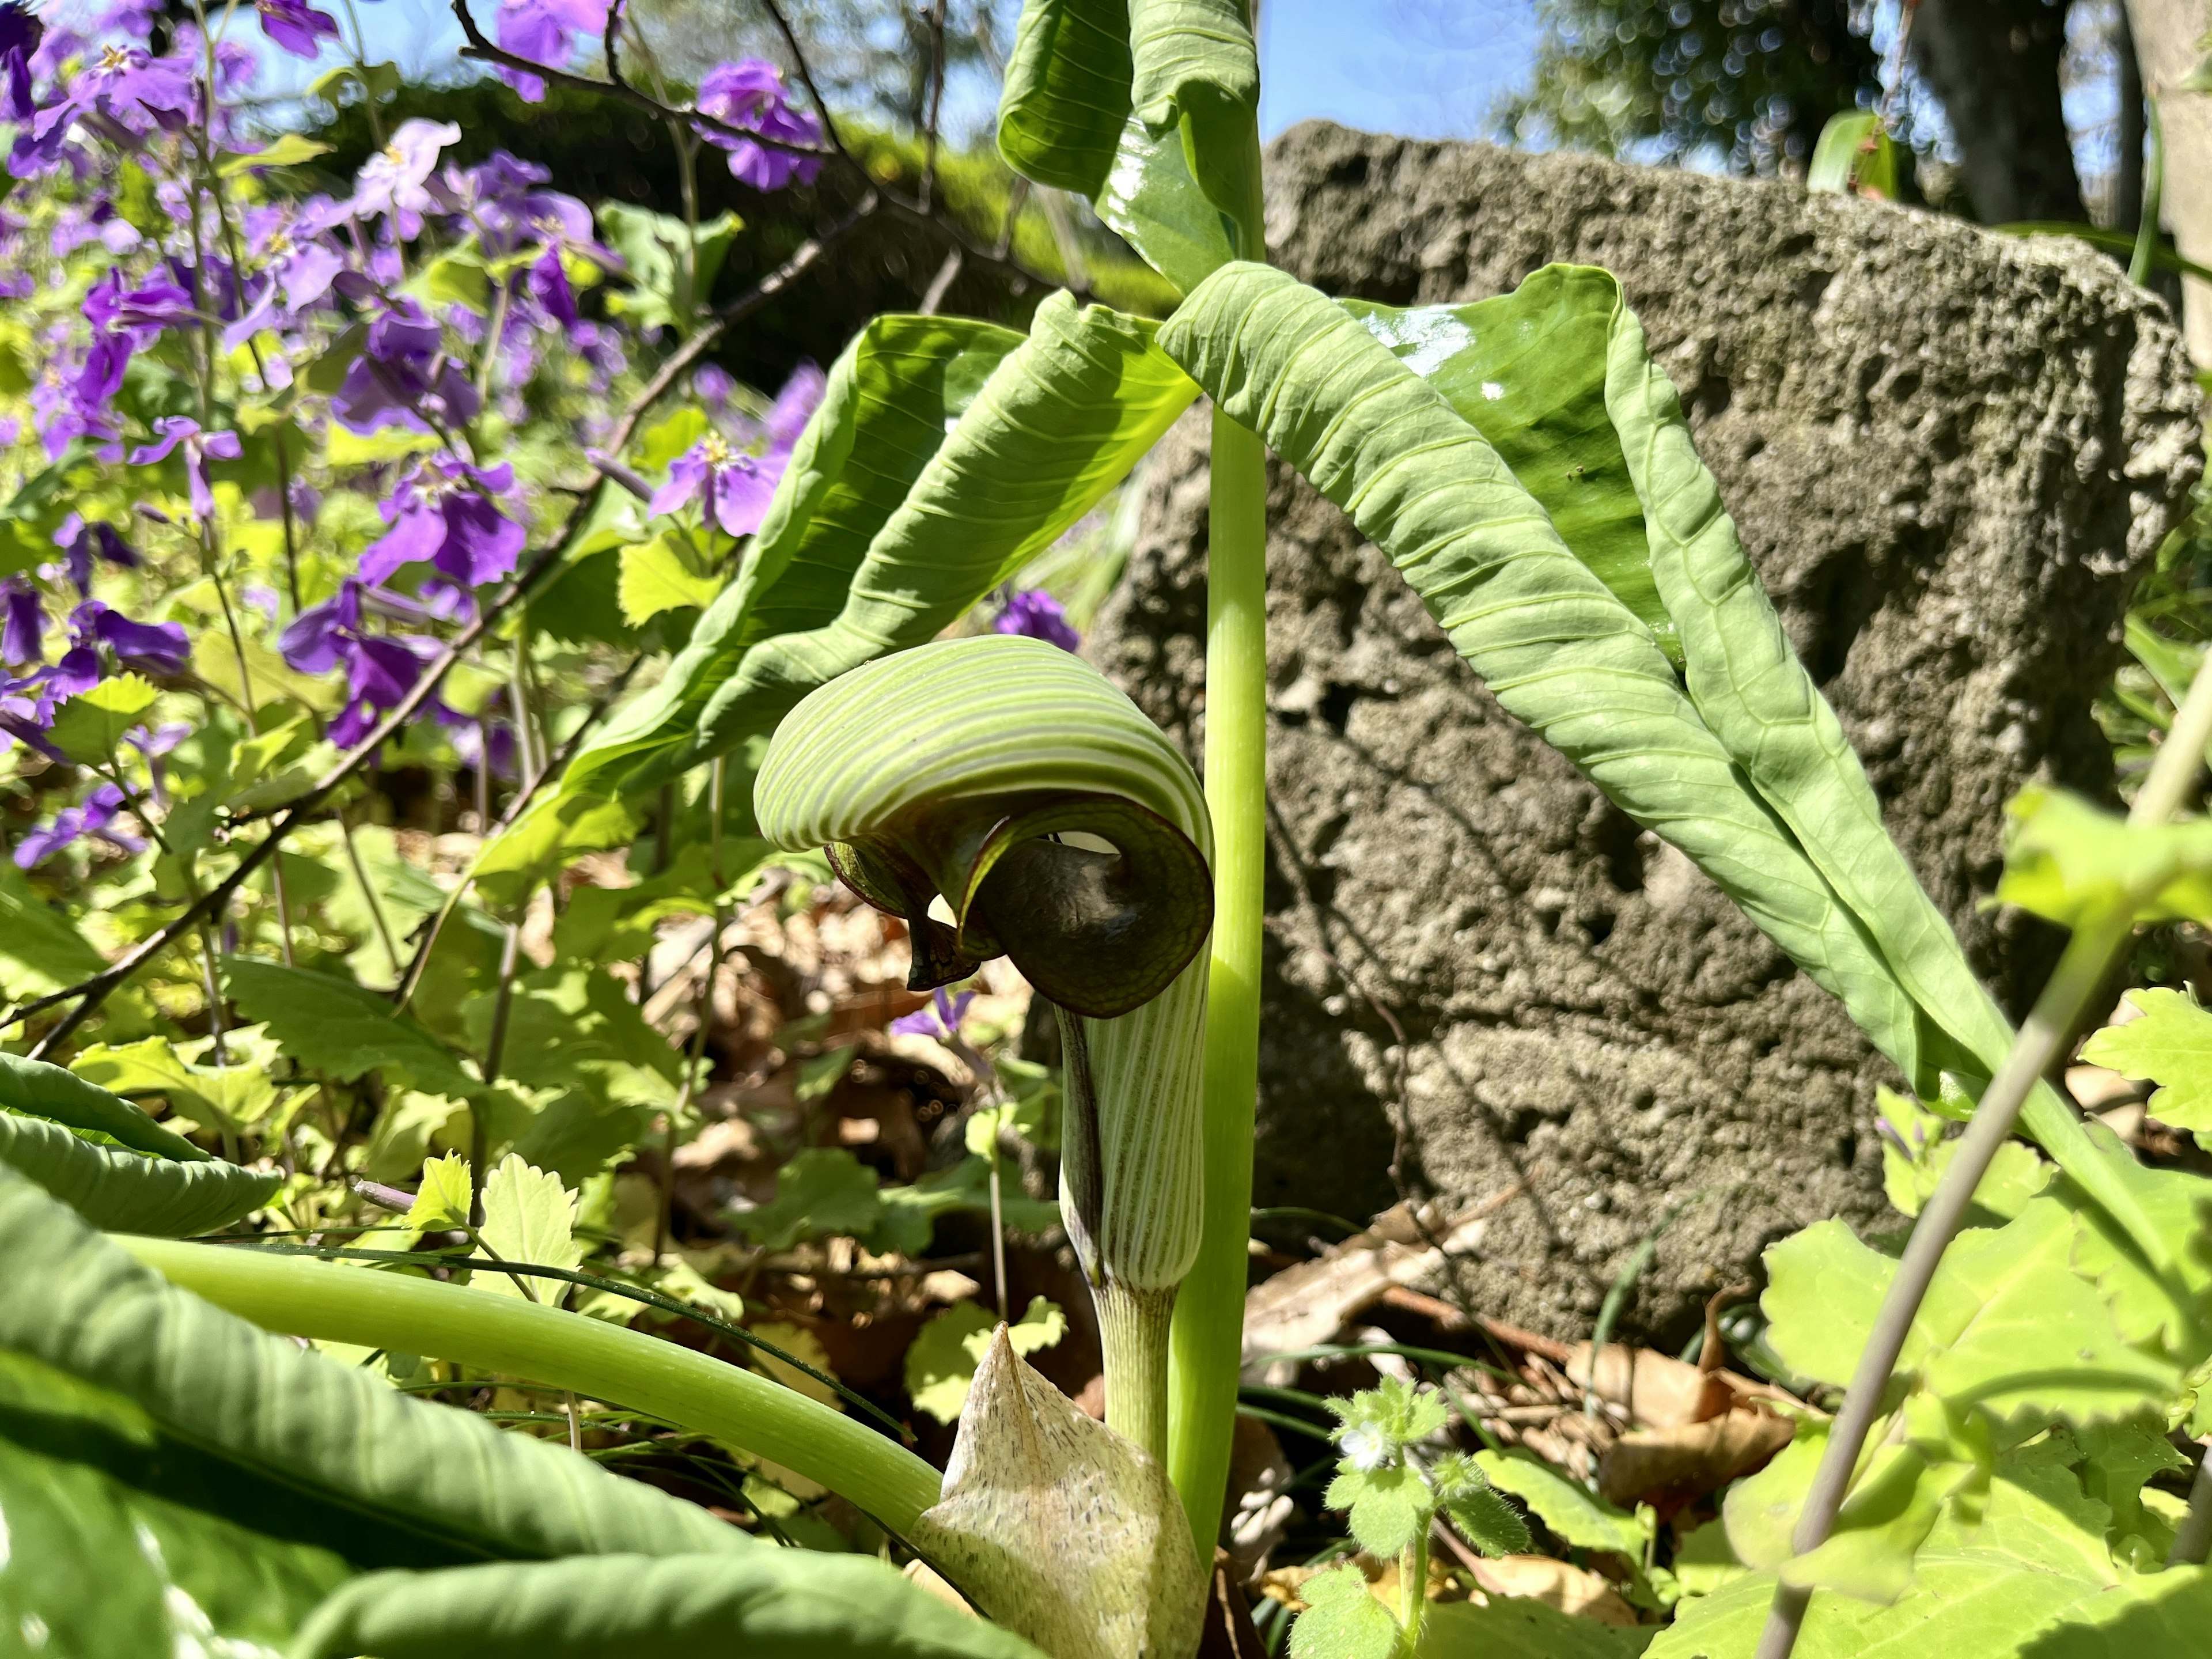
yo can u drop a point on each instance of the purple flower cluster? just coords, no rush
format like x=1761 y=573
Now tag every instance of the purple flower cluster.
x=1035 y=613
x=751 y=94
x=940 y=1019
x=736 y=487
x=96 y=816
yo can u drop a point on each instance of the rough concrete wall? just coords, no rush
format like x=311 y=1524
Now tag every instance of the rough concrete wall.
x=1949 y=454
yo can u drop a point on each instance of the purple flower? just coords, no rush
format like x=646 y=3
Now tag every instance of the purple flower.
x=714 y=385
x=442 y=515
x=749 y=94
x=157 y=648
x=20 y=31
x=795 y=406
x=395 y=179
x=296 y=26
x=539 y=30
x=129 y=92
x=316 y=641
x=940 y=1019
x=1036 y=613
x=380 y=672
x=141 y=313
x=95 y=817
x=22 y=639
x=402 y=375
x=738 y=488
x=173 y=429
x=80 y=542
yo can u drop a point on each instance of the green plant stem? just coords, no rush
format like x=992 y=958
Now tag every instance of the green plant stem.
x=1133 y=1339
x=1206 y=1344
x=2080 y=974
x=1413 y=1587
x=542 y=1345
x=2146 y=248
x=2192 y=1539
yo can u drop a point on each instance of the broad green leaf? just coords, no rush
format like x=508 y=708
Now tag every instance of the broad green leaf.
x=456 y=278
x=1517 y=1627
x=2170 y=1045
x=1153 y=203
x=1195 y=71
x=941 y=1360
x=40 y=952
x=661 y=253
x=1554 y=644
x=227 y=1099
x=331 y=1026
x=910 y=1215
x=1342 y=1621
x=538 y=846
x=59 y=1094
x=1915 y=1155
x=1702 y=1560
x=669 y=436
x=2163 y=1613
x=1066 y=95
x=1576 y=1514
x=168 y=1473
x=1854 y=154
x=662 y=574
x=529 y=1217
x=1061 y=420
x=131 y=1192
x=2003 y=1303
x=442 y=1200
x=766 y=1603
x=1527 y=371
x=822 y=1190
x=2067 y=861
x=90 y=724
x=890 y=399
x=2167 y=1311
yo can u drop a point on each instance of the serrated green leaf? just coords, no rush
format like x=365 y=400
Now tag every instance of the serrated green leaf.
x=59 y=1094
x=1579 y=1516
x=529 y=1217
x=942 y=1359
x=330 y=1024
x=2170 y=1045
x=216 y=1474
x=822 y=1190
x=1485 y=1520
x=539 y=844
x=91 y=723
x=120 y=1191
x=2067 y=860
x=661 y=575
x=229 y=1099
x=443 y=1199
x=2164 y=1613
x=768 y=1602
x=1342 y=1619
x=1914 y=1161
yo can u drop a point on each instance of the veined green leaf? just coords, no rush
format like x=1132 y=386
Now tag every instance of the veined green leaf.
x=229 y=1099
x=56 y=1092
x=168 y=1472
x=1066 y=96
x=2158 y=1612
x=339 y=1027
x=1194 y=67
x=90 y=724
x=131 y=1192
x=529 y=1216
x=1558 y=648
x=892 y=396
x=766 y=1603
x=1062 y=418
x=2067 y=860
x=1583 y=1519
x=1342 y=1619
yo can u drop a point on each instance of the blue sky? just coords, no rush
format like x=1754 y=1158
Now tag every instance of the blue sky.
x=1425 y=68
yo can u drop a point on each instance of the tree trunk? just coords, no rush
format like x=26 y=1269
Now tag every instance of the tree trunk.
x=1994 y=63
x=2169 y=44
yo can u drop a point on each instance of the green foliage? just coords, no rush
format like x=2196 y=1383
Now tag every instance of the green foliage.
x=2067 y=860
x=55 y=1093
x=127 y=1191
x=1577 y=1515
x=2169 y=1045
x=442 y=1201
x=1392 y=1494
x=1855 y=156
x=528 y=1217
x=1915 y=1154
x=941 y=1361
x=779 y=1604
x=93 y=722
x=820 y=1190
x=673 y=266
x=343 y=1028
x=1342 y=1621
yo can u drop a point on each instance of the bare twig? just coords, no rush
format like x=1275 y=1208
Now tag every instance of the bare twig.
x=611 y=44
x=936 y=106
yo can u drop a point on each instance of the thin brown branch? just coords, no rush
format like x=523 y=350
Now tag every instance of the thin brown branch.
x=805 y=74
x=936 y=105
x=611 y=44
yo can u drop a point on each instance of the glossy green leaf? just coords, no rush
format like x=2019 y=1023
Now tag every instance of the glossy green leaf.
x=333 y=1025
x=56 y=1093
x=663 y=574
x=1196 y=71
x=1066 y=93
x=216 y=1476
x=1557 y=648
x=890 y=400
x=1061 y=420
x=766 y=1604
x=1527 y=371
x=1153 y=204
x=940 y=770
x=2170 y=1045
x=130 y=1192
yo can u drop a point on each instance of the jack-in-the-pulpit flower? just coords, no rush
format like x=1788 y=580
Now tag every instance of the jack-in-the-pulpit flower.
x=749 y=94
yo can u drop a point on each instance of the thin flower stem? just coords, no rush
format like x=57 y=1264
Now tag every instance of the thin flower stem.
x=368 y=888
x=2081 y=972
x=495 y=1051
x=1414 y=1586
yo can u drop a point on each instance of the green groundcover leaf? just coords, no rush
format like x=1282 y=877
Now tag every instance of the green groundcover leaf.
x=765 y=1604
x=333 y=1025
x=1519 y=1627
x=2170 y=1045
x=127 y=1192
x=175 y=1480
x=59 y=1093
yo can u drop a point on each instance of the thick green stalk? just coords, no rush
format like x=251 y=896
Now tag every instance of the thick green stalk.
x=1133 y=1336
x=561 y=1350
x=1207 y=1337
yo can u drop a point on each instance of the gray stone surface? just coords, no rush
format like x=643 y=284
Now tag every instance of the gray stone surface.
x=1949 y=454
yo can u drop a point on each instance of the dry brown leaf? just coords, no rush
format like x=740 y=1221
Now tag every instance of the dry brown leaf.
x=1657 y=1391
x=1690 y=1459
x=1308 y=1303
x=1570 y=1590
